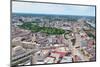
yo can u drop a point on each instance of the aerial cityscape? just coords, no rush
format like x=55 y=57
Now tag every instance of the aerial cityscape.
x=39 y=35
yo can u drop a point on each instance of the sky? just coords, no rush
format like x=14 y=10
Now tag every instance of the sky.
x=58 y=9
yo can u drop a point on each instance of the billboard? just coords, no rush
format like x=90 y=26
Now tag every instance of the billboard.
x=45 y=33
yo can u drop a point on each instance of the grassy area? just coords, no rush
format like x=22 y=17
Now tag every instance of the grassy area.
x=89 y=33
x=35 y=28
x=50 y=30
x=67 y=33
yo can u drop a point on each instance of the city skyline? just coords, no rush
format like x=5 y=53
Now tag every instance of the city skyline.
x=58 y=9
x=43 y=33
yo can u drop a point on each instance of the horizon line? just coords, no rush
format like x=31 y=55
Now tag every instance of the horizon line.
x=51 y=14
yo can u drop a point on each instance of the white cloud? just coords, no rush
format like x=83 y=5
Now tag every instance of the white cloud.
x=29 y=7
x=36 y=7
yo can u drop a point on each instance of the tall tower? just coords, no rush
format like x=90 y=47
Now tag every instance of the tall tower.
x=33 y=38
